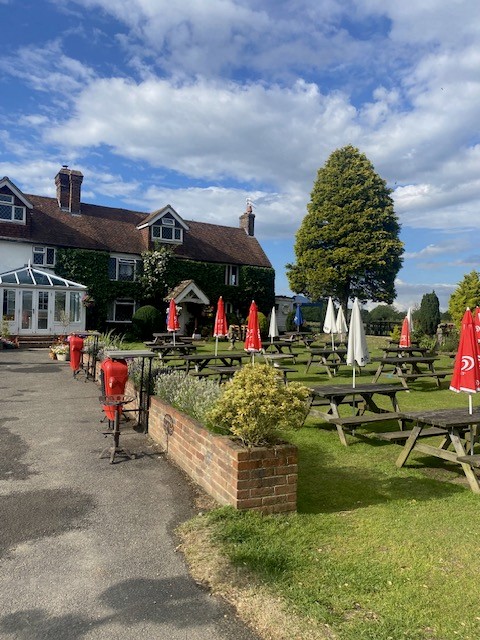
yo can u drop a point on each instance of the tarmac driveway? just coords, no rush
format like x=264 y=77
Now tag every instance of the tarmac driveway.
x=87 y=548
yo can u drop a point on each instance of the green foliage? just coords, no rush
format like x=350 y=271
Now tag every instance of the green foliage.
x=385 y=313
x=256 y=406
x=263 y=324
x=467 y=294
x=5 y=328
x=428 y=317
x=396 y=333
x=348 y=245
x=193 y=396
x=153 y=278
x=255 y=283
x=146 y=321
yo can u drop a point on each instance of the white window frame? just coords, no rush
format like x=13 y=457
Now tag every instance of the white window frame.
x=112 y=311
x=118 y=261
x=7 y=200
x=167 y=224
x=41 y=250
x=232 y=274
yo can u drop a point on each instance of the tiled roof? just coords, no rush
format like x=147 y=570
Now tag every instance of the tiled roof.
x=114 y=230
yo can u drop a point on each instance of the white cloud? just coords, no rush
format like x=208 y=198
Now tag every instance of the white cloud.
x=410 y=295
x=252 y=133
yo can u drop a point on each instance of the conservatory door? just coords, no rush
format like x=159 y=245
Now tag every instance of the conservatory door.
x=34 y=311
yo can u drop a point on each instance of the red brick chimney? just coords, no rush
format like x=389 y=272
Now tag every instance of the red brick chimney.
x=247 y=220
x=69 y=184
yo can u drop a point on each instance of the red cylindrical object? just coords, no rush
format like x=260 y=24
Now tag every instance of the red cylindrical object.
x=76 y=346
x=115 y=376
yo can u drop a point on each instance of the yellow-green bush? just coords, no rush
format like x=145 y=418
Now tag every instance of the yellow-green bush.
x=256 y=406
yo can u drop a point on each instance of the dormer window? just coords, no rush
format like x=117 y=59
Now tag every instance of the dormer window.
x=9 y=211
x=166 y=231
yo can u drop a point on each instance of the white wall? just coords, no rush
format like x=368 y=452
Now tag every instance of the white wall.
x=14 y=255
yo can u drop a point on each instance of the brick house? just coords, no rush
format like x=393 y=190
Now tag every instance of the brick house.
x=45 y=236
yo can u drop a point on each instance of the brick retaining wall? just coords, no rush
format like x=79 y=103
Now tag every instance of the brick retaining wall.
x=259 y=478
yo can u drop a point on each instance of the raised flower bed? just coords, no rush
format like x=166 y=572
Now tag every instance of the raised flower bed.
x=259 y=478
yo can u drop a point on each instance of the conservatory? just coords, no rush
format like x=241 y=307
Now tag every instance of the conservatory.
x=37 y=302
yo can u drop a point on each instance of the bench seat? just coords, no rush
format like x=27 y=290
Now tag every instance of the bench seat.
x=357 y=421
x=400 y=436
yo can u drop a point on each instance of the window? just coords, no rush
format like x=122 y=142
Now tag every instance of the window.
x=122 y=310
x=74 y=306
x=59 y=313
x=9 y=212
x=228 y=308
x=44 y=256
x=231 y=274
x=167 y=231
x=9 y=304
x=124 y=269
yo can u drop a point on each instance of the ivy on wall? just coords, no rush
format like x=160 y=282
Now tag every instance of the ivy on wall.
x=91 y=269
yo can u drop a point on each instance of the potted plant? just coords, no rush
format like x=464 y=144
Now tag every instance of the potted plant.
x=61 y=351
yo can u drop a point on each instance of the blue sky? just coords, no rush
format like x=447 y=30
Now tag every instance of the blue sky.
x=205 y=103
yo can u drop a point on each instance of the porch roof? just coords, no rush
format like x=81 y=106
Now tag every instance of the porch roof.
x=28 y=277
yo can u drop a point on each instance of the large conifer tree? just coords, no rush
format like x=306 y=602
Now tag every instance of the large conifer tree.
x=348 y=243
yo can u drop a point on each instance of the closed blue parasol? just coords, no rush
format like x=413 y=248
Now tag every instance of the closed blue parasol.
x=298 y=319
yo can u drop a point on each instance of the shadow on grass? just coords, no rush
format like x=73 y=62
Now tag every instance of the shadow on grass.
x=333 y=478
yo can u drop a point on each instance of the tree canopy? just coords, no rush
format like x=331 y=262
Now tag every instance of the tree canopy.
x=427 y=318
x=348 y=243
x=467 y=294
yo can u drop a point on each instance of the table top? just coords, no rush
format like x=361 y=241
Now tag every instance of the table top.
x=408 y=360
x=126 y=353
x=204 y=357
x=396 y=349
x=324 y=351
x=360 y=389
x=444 y=418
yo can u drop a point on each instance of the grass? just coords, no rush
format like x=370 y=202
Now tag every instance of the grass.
x=374 y=552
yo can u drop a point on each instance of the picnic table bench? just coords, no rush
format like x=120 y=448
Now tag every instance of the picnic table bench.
x=330 y=358
x=362 y=399
x=408 y=368
x=455 y=423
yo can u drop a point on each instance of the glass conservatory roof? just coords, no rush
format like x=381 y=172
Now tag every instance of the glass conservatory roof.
x=27 y=276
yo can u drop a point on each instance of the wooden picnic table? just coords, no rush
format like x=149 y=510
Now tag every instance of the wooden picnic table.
x=170 y=350
x=227 y=358
x=452 y=424
x=395 y=350
x=330 y=358
x=300 y=336
x=409 y=368
x=362 y=398
x=279 y=346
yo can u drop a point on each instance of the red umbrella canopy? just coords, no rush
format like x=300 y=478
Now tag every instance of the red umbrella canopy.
x=466 y=373
x=172 y=322
x=253 y=341
x=476 y=321
x=405 y=334
x=221 y=327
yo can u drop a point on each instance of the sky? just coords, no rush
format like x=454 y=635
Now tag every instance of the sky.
x=203 y=104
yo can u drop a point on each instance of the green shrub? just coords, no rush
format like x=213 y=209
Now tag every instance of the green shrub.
x=146 y=321
x=396 y=333
x=193 y=396
x=256 y=406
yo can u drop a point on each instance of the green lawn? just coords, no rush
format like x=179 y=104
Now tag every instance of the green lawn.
x=375 y=551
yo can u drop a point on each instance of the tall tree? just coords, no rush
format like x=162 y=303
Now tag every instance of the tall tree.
x=348 y=243
x=467 y=294
x=428 y=317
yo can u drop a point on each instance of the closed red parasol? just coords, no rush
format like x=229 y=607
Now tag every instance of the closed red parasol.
x=405 y=334
x=220 y=328
x=253 y=341
x=172 y=319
